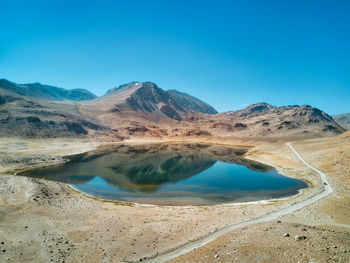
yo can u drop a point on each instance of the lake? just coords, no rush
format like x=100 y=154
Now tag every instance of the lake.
x=171 y=174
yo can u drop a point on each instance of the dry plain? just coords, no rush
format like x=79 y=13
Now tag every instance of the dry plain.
x=44 y=221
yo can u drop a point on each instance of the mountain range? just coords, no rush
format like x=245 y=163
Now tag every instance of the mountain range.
x=142 y=109
x=46 y=92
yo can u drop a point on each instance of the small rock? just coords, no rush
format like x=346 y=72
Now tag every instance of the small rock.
x=335 y=246
x=286 y=235
x=299 y=238
x=216 y=256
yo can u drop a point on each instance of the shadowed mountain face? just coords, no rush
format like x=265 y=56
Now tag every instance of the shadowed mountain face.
x=191 y=103
x=46 y=92
x=149 y=98
x=171 y=172
x=343 y=120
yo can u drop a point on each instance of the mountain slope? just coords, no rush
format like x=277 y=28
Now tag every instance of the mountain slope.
x=136 y=101
x=262 y=119
x=28 y=117
x=148 y=97
x=46 y=92
x=143 y=110
x=191 y=103
x=343 y=120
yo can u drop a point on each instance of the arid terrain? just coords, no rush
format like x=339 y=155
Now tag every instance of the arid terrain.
x=142 y=110
x=324 y=224
x=46 y=221
x=343 y=120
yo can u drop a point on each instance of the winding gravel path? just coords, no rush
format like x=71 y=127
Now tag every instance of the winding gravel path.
x=327 y=189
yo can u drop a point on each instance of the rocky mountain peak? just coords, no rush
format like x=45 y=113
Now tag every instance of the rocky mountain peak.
x=148 y=97
x=122 y=87
x=254 y=109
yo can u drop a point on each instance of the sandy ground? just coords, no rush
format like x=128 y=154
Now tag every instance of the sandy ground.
x=45 y=221
x=324 y=224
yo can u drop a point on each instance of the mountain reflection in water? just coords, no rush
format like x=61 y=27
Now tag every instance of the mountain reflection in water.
x=156 y=171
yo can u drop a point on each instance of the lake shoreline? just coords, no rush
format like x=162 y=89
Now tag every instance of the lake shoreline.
x=95 y=216
x=177 y=174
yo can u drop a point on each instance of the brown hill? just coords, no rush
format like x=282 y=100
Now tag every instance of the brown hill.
x=345 y=135
x=141 y=109
x=145 y=100
x=343 y=120
x=23 y=116
x=262 y=119
x=141 y=100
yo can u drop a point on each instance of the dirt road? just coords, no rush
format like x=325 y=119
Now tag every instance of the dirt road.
x=327 y=189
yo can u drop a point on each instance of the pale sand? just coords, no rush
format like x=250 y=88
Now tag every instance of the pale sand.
x=325 y=223
x=47 y=220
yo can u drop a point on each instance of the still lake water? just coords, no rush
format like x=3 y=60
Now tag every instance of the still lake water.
x=171 y=174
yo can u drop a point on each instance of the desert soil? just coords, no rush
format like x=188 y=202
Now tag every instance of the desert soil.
x=43 y=221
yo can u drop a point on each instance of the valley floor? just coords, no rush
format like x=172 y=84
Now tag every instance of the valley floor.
x=43 y=221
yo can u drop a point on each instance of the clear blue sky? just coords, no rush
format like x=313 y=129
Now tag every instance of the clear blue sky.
x=228 y=53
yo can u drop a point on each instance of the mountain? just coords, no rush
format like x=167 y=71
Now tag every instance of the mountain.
x=137 y=105
x=254 y=110
x=143 y=110
x=263 y=119
x=146 y=97
x=46 y=92
x=120 y=87
x=25 y=116
x=343 y=120
x=191 y=103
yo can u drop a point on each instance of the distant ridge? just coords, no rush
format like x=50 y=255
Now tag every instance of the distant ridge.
x=41 y=111
x=343 y=120
x=265 y=120
x=46 y=92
